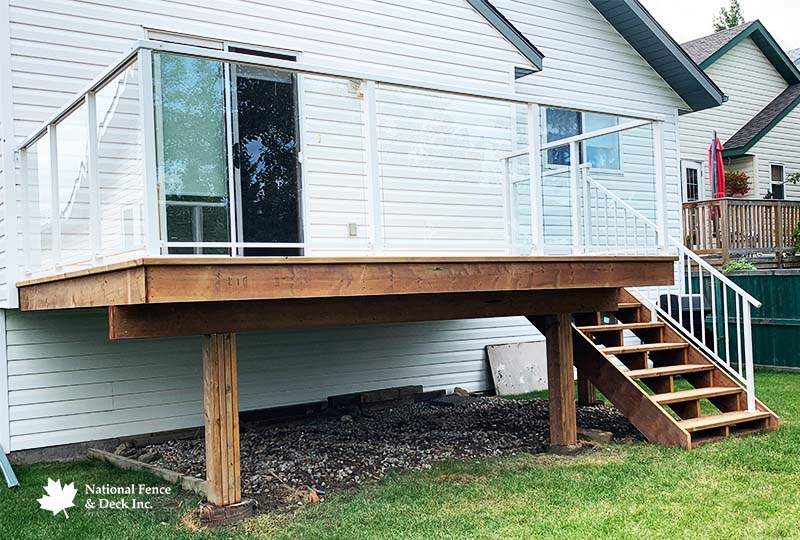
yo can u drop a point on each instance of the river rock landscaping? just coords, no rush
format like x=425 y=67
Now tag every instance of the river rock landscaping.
x=290 y=464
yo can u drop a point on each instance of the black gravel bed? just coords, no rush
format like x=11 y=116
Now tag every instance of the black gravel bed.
x=285 y=465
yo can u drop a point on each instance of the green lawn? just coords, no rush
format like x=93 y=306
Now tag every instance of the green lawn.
x=740 y=488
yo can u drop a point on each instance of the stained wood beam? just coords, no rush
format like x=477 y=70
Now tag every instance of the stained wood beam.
x=203 y=279
x=221 y=414
x=557 y=330
x=186 y=319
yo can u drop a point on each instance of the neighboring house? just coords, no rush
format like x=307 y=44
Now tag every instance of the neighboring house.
x=758 y=125
x=794 y=54
x=323 y=129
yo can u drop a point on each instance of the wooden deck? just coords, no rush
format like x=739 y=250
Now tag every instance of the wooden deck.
x=725 y=229
x=212 y=279
x=217 y=297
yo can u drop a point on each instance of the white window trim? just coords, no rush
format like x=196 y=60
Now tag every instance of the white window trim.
x=701 y=185
x=772 y=183
x=617 y=172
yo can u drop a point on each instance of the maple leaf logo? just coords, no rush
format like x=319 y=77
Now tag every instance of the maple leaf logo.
x=58 y=498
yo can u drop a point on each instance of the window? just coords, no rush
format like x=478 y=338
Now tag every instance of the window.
x=776 y=177
x=561 y=123
x=692 y=183
x=602 y=152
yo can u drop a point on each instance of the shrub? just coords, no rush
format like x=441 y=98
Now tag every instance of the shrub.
x=796 y=238
x=739 y=265
x=736 y=183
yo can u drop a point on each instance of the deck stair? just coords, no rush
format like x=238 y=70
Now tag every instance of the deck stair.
x=668 y=388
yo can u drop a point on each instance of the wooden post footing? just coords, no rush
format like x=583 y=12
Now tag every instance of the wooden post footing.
x=225 y=516
x=221 y=413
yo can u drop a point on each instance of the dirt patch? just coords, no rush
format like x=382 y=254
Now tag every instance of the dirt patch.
x=285 y=465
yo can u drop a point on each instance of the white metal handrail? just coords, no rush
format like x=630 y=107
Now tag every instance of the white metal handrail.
x=728 y=342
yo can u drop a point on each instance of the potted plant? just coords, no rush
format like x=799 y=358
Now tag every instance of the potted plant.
x=737 y=183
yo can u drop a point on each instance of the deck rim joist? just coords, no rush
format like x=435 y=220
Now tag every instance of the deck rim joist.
x=211 y=279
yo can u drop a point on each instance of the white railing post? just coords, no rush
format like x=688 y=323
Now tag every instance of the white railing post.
x=508 y=229
x=95 y=230
x=55 y=214
x=24 y=182
x=587 y=215
x=373 y=169
x=748 y=358
x=535 y=175
x=574 y=159
x=154 y=214
x=660 y=185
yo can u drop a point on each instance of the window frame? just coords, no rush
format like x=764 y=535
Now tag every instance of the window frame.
x=773 y=183
x=583 y=151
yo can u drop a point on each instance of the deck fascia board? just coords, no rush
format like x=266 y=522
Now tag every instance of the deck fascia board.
x=217 y=279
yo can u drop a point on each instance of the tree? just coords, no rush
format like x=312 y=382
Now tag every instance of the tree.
x=728 y=17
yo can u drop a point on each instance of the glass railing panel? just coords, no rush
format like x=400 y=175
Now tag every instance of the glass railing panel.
x=72 y=135
x=441 y=172
x=192 y=158
x=38 y=234
x=520 y=200
x=335 y=165
x=120 y=163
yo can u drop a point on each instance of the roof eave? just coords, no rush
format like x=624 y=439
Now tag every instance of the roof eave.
x=702 y=95
x=768 y=46
x=509 y=31
x=739 y=151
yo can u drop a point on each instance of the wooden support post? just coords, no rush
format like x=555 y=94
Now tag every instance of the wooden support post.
x=221 y=411
x=557 y=330
x=586 y=390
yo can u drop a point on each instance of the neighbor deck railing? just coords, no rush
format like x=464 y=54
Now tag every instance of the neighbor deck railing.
x=730 y=228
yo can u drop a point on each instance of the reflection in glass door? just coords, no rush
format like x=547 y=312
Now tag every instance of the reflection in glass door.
x=265 y=160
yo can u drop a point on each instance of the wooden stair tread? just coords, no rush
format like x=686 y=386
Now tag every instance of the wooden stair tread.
x=628 y=305
x=668 y=370
x=696 y=393
x=646 y=347
x=621 y=326
x=719 y=420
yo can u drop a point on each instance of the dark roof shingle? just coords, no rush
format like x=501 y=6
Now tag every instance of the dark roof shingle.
x=701 y=48
x=758 y=126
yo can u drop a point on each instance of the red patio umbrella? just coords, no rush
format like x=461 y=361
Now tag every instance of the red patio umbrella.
x=716 y=169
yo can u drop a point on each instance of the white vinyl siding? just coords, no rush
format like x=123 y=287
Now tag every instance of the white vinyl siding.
x=69 y=383
x=751 y=82
x=588 y=65
x=780 y=146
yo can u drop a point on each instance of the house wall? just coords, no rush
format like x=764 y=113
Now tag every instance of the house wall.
x=751 y=82
x=780 y=146
x=590 y=66
x=69 y=383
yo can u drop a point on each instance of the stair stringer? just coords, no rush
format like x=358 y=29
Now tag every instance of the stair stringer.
x=652 y=420
x=696 y=356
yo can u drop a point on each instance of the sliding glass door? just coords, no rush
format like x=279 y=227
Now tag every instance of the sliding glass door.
x=206 y=111
x=265 y=158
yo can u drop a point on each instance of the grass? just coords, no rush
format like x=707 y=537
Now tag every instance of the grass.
x=739 y=488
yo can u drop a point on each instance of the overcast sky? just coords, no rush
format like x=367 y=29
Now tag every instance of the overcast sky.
x=690 y=19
